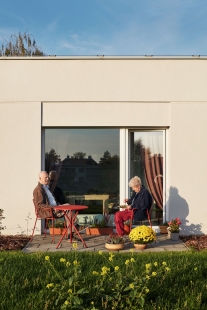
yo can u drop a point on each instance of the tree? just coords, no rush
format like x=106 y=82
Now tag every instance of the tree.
x=21 y=45
x=51 y=159
x=79 y=155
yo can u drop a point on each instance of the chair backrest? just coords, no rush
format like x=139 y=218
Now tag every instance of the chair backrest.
x=42 y=213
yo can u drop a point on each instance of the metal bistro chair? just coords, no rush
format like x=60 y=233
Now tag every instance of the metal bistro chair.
x=38 y=217
x=148 y=217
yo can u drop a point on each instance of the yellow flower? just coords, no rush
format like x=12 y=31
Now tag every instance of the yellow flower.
x=155 y=264
x=75 y=262
x=92 y=302
x=47 y=258
x=132 y=260
x=164 y=263
x=195 y=268
x=147 y=277
x=70 y=291
x=95 y=273
x=154 y=274
x=75 y=245
x=147 y=290
x=66 y=302
x=68 y=264
x=49 y=285
x=127 y=262
x=167 y=269
x=131 y=250
x=116 y=268
x=110 y=258
x=100 y=252
x=104 y=270
x=131 y=285
x=62 y=260
x=148 y=266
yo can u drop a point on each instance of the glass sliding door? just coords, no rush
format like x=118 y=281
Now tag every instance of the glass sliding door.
x=146 y=161
x=87 y=165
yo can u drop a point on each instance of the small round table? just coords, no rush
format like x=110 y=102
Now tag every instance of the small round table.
x=71 y=220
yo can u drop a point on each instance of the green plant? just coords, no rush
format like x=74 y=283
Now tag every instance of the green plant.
x=142 y=234
x=127 y=223
x=115 y=239
x=57 y=224
x=174 y=225
x=96 y=223
x=1 y=218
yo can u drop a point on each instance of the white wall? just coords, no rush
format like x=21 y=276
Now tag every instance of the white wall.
x=139 y=92
x=20 y=136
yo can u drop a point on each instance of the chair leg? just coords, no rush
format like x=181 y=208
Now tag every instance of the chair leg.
x=33 y=230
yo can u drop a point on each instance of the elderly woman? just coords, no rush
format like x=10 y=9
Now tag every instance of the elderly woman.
x=140 y=201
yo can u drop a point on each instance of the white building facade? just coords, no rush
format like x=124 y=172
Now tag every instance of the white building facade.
x=98 y=104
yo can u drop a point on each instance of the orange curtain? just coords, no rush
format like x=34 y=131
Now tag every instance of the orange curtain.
x=153 y=168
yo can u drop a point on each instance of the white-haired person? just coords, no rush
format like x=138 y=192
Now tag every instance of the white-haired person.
x=140 y=202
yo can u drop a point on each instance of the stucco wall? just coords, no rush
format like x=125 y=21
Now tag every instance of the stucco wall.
x=167 y=93
x=20 y=136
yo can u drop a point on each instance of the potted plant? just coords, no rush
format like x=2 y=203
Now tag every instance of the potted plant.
x=163 y=228
x=99 y=227
x=59 y=227
x=174 y=228
x=127 y=227
x=141 y=236
x=114 y=242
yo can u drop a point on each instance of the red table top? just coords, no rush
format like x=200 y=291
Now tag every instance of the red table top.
x=70 y=207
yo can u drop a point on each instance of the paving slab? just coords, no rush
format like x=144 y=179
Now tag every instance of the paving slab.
x=97 y=243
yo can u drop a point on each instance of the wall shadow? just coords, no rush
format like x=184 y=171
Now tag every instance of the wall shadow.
x=178 y=207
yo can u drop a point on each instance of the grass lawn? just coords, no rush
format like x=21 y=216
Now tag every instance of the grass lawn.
x=75 y=280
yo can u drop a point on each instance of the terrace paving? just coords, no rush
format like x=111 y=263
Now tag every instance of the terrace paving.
x=97 y=243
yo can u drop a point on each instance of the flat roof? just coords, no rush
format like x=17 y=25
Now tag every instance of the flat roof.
x=103 y=57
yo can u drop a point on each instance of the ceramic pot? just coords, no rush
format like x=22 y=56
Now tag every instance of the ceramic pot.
x=174 y=236
x=139 y=246
x=114 y=247
x=163 y=229
x=99 y=231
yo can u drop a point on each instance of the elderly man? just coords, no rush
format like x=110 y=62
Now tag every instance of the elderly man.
x=140 y=201
x=43 y=196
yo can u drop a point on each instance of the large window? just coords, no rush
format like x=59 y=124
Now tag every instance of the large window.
x=87 y=165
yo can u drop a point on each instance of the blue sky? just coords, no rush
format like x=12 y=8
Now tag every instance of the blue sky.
x=109 y=27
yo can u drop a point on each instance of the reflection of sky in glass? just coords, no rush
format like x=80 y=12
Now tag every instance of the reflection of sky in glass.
x=93 y=142
x=152 y=140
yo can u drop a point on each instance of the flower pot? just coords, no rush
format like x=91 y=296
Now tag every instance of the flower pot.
x=139 y=246
x=163 y=229
x=99 y=231
x=126 y=229
x=174 y=236
x=114 y=247
x=57 y=231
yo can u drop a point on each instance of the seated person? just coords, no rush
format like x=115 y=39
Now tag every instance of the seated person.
x=140 y=201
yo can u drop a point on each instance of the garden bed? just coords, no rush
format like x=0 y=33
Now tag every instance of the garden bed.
x=13 y=243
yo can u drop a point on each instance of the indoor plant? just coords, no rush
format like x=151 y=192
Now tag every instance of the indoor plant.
x=99 y=227
x=114 y=242
x=141 y=236
x=163 y=228
x=59 y=227
x=174 y=228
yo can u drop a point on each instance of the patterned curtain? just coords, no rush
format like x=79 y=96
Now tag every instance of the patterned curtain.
x=153 y=168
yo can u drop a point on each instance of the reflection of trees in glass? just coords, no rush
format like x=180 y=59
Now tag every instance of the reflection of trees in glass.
x=79 y=155
x=51 y=159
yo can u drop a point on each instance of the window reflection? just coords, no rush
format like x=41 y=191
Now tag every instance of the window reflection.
x=87 y=165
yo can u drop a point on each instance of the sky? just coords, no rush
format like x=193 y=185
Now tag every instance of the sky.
x=109 y=27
